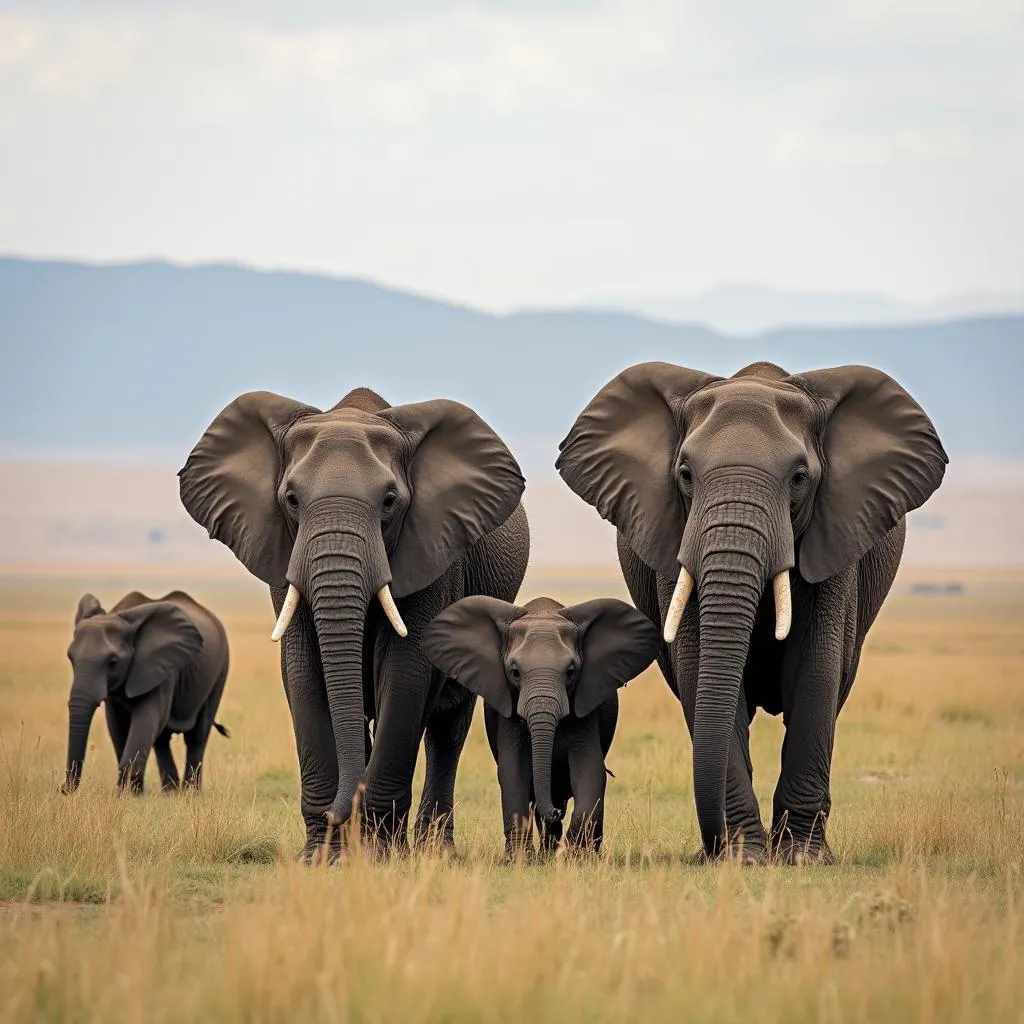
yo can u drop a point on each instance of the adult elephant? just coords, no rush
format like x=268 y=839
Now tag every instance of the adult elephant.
x=366 y=521
x=720 y=487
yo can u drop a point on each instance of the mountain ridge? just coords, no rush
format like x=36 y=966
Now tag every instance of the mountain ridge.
x=139 y=354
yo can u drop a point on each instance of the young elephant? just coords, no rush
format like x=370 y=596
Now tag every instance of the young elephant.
x=159 y=667
x=533 y=666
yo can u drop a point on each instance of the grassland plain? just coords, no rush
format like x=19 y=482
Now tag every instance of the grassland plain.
x=190 y=908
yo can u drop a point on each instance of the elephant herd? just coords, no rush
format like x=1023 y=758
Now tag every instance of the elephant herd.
x=394 y=544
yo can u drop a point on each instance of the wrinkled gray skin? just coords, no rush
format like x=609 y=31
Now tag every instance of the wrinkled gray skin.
x=549 y=676
x=738 y=480
x=422 y=497
x=159 y=668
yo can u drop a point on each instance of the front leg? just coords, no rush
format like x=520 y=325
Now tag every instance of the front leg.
x=515 y=778
x=148 y=718
x=404 y=684
x=306 y=694
x=819 y=656
x=589 y=780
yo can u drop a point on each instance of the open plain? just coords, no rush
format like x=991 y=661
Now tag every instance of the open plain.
x=190 y=908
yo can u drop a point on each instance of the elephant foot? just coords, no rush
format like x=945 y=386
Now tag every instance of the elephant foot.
x=793 y=846
x=323 y=844
x=435 y=835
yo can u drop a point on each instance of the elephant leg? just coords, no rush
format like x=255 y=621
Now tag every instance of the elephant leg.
x=169 y=780
x=195 y=752
x=747 y=838
x=404 y=681
x=446 y=732
x=515 y=779
x=589 y=783
x=118 y=723
x=148 y=719
x=311 y=722
x=812 y=679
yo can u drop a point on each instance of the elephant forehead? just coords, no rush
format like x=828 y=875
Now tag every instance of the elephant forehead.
x=745 y=415
x=98 y=636
x=542 y=639
x=366 y=444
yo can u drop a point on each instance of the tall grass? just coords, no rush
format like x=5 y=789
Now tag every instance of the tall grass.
x=189 y=907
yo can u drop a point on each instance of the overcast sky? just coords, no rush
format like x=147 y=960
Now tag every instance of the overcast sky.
x=506 y=153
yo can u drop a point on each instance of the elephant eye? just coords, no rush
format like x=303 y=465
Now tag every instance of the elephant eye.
x=800 y=477
x=513 y=671
x=570 y=673
x=686 y=475
x=112 y=662
x=389 y=501
x=291 y=500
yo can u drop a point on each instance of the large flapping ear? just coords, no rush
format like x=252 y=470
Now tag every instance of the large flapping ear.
x=616 y=644
x=467 y=642
x=229 y=483
x=88 y=606
x=881 y=458
x=620 y=457
x=463 y=484
x=165 y=644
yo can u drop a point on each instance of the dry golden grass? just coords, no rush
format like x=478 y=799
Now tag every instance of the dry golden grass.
x=190 y=909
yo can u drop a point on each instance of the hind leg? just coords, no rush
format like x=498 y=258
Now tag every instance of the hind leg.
x=169 y=780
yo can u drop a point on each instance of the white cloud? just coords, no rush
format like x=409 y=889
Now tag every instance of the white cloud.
x=503 y=155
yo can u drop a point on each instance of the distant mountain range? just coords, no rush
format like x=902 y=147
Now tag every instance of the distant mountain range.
x=143 y=356
x=752 y=309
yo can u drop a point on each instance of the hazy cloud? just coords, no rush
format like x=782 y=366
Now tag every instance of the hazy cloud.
x=505 y=153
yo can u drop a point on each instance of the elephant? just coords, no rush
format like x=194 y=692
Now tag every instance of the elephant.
x=159 y=667
x=717 y=487
x=549 y=677
x=366 y=521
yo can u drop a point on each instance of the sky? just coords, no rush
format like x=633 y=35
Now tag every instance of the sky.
x=538 y=153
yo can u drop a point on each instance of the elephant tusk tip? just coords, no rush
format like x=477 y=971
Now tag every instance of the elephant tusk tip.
x=669 y=635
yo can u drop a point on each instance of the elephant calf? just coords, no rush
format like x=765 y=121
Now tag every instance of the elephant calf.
x=159 y=667
x=533 y=666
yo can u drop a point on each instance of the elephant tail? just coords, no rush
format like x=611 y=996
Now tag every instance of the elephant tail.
x=222 y=729
x=609 y=772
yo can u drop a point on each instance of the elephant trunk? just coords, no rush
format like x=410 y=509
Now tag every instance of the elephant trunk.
x=542 y=712
x=339 y=564
x=81 y=708
x=741 y=540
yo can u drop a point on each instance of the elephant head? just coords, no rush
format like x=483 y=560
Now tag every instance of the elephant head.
x=541 y=660
x=343 y=506
x=726 y=485
x=133 y=651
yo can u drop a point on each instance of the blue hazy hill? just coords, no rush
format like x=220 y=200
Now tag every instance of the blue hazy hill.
x=146 y=354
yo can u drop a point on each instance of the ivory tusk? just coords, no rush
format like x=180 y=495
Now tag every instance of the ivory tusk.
x=681 y=594
x=783 y=605
x=391 y=610
x=291 y=602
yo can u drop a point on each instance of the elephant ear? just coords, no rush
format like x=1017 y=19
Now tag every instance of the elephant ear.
x=616 y=644
x=463 y=483
x=620 y=457
x=88 y=606
x=229 y=483
x=467 y=642
x=881 y=458
x=166 y=644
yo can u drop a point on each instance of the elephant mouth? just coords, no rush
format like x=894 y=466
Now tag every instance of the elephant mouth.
x=293 y=598
x=684 y=588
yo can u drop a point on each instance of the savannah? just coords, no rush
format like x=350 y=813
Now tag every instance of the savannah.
x=191 y=907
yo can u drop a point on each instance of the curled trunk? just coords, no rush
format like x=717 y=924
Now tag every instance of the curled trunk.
x=542 y=717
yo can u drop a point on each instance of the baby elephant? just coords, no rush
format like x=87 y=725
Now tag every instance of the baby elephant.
x=159 y=667
x=549 y=676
